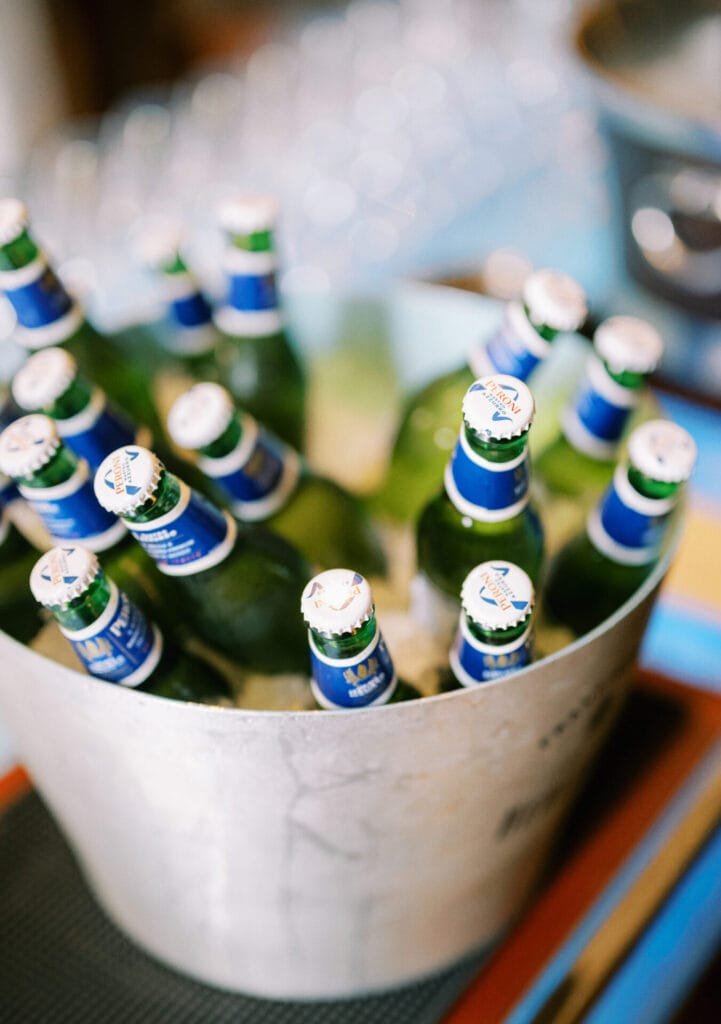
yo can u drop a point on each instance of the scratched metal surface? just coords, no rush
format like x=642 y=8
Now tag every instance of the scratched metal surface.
x=62 y=961
x=298 y=855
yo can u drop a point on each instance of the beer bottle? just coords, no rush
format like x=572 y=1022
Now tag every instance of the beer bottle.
x=19 y=616
x=188 y=333
x=483 y=513
x=264 y=480
x=552 y=303
x=236 y=584
x=350 y=664
x=495 y=630
x=58 y=486
x=580 y=461
x=257 y=362
x=49 y=382
x=48 y=315
x=604 y=565
x=112 y=637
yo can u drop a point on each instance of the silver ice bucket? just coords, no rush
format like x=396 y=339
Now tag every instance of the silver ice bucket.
x=325 y=854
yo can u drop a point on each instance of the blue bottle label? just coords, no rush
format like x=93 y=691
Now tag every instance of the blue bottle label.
x=369 y=678
x=258 y=476
x=597 y=418
x=193 y=536
x=252 y=291
x=70 y=511
x=516 y=348
x=188 y=311
x=627 y=527
x=8 y=491
x=96 y=431
x=474 y=662
x=40 y=302
x=122 y=646
x=488 y=491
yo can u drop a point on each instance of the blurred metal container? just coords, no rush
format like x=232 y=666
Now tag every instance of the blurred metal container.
x=320 y=854
x=656 y=66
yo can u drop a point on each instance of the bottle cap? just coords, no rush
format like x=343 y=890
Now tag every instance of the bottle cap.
x=248 y=214
x=27 y=445
x=498 y=407
x=13 y=220
x=157 y=243
x=200 y=416
x=62 y=574
x=628 y=344
x=127 y=478
x=497 y=595
x=555 y=299
x=43 y=378
x=337 y=601
x=663 y=451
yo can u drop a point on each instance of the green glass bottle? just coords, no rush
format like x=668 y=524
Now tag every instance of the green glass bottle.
x=48 y=315
x=495 y=628
x=49 y=382
x=235 y=583
x=112 y=637
x=57 y=485
x=483 y=511
x=552 y=304
x=264 y=480
x=600 y=568
x=351 y=666
x=579 y=463
x=19 y=616
x=188 y=333
x=257 y=362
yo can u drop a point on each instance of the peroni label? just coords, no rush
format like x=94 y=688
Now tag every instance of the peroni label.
x=40 y=302
x=355 y=682
x=124 y=648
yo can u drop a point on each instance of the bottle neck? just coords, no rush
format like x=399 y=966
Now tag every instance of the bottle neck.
x=72 y=401
x=594 y=421
x=649 y=488
x=59 y=469
x=86 y=609
x=488 y=480
x=543 y=330
x=497 y=637
x=346 y=645
x=257 y=241
x=227 y=442
x=496 y=451
x=629 y=523
x=626 y=379
x=162 y=501
x=18 y=253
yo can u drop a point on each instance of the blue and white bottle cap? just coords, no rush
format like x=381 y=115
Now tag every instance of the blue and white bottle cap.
x=157 y=242
x=13 y=219
x=27 y=445
x=498 y=407
x=337 y=601
x=63 y=574
x=200 y=416
x=248 y=214
x=628 y=344
x=43 y=378
x=663 y=451
x=555 y=299
x=127 y=478
x=497 y=595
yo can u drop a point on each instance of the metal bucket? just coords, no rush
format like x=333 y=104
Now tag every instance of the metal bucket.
x=296 y=854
